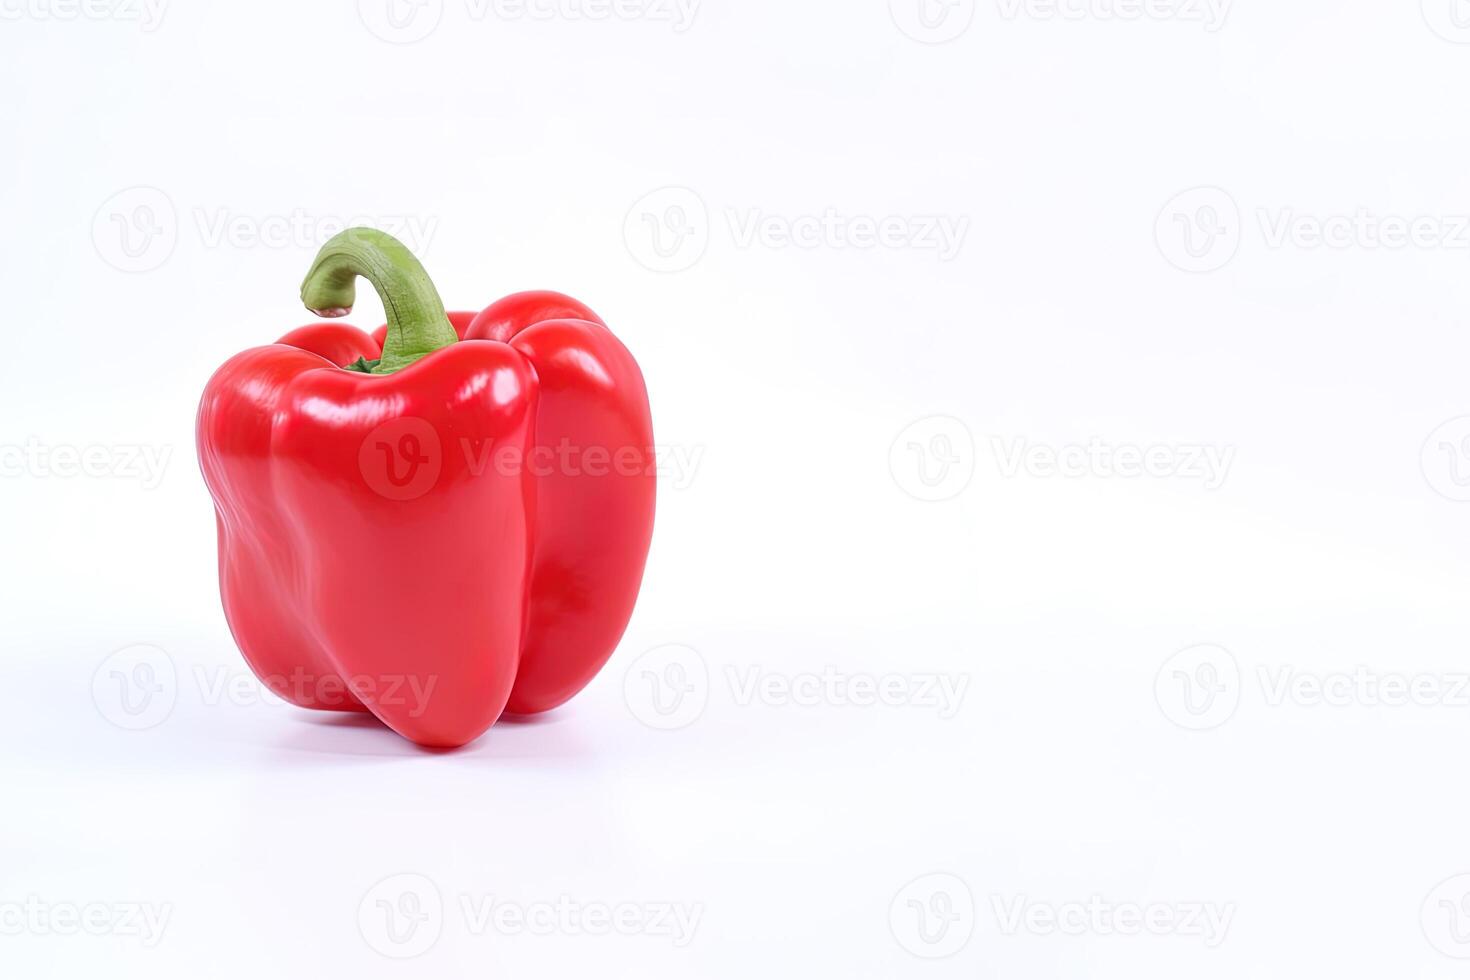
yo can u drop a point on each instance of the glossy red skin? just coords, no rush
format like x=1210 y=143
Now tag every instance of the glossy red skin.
x=415 y=594
x=338 y=342
x=506 y=317
x=570 y=584
x=592 y=531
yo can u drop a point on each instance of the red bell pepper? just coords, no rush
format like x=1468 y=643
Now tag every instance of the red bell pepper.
x=438 y=523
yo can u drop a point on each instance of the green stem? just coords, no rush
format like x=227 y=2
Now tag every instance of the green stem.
x=416 y=321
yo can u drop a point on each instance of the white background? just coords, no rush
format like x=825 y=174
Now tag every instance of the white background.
x=1237 y=233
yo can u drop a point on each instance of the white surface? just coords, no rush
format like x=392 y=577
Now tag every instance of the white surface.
x=1065 y=158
